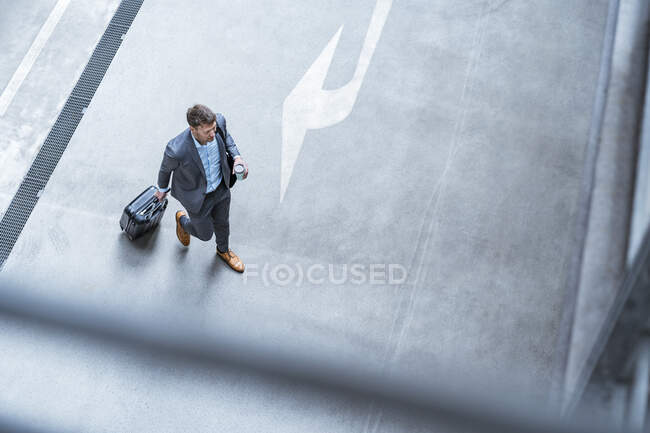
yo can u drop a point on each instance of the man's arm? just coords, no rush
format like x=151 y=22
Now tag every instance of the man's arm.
x=231 y=147
x=230 y=144
x=167 y=165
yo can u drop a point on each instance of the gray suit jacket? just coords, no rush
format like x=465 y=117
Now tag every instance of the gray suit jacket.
x=181 y=158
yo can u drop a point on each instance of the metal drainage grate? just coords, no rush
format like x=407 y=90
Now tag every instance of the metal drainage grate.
x=48 y=157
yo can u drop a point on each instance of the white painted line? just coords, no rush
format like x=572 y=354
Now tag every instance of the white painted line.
x=308 y=106
x=29 y=59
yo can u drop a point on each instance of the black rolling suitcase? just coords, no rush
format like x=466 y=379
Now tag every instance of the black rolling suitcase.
x=142 y=214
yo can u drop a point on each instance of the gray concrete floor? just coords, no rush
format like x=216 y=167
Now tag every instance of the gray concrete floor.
x=461 y=161
x=42 y=94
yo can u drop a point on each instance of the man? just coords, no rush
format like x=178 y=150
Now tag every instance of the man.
x=201 y=181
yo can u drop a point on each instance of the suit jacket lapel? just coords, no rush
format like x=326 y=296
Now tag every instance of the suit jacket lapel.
x=189 y=142
x=222 y=154
x=222 y=145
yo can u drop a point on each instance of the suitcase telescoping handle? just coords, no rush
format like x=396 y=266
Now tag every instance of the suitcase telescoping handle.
x=151 y=208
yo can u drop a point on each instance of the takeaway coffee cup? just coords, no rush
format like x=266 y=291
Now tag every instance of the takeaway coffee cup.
x=239 y=171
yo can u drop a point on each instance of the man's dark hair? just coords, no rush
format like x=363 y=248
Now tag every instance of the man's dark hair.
x=200 y=114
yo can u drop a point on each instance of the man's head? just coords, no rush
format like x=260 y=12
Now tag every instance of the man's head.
x=203 y=123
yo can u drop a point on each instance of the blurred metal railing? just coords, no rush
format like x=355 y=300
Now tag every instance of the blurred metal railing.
x=186 y=342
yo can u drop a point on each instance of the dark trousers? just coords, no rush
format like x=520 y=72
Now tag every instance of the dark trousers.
x=213 y=217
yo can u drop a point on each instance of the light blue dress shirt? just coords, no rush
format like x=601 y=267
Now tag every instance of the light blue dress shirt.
x=211 y=159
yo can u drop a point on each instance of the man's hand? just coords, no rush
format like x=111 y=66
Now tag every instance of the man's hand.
x=239 y=160
x=160 y=195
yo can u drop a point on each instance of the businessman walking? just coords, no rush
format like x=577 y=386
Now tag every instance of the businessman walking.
x=201 y=181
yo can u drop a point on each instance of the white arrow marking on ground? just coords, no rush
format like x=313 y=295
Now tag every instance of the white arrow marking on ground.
x=33 y=52
x=308 y=106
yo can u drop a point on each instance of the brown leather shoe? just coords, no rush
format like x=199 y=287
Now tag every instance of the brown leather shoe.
x=181 y=234
x=232 y=259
